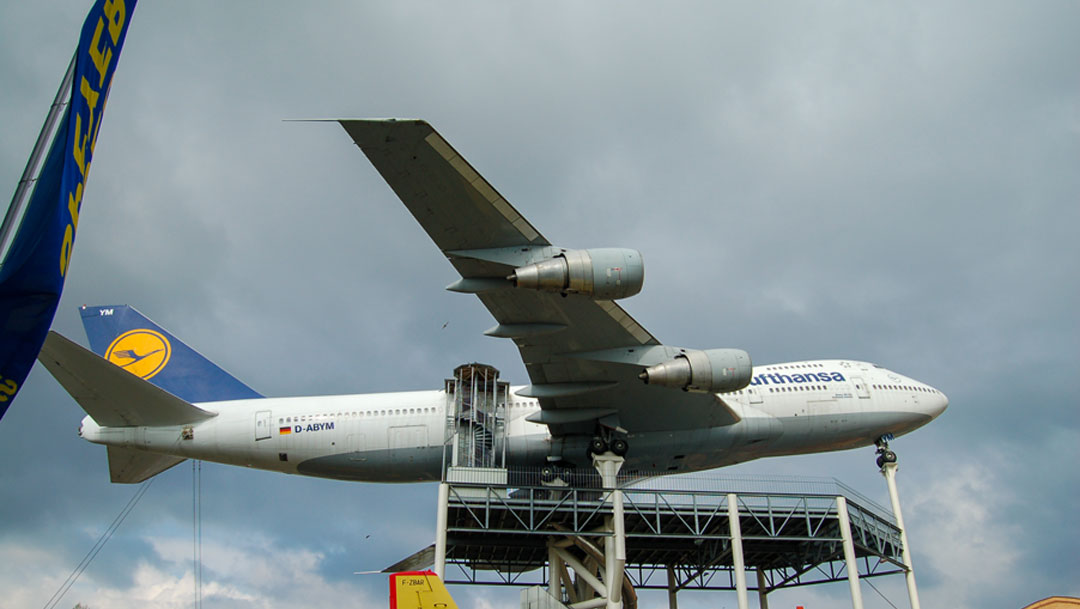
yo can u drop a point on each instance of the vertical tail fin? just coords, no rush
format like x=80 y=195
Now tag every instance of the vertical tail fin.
x=419 y=590
x=130 y=340
x=37 y=233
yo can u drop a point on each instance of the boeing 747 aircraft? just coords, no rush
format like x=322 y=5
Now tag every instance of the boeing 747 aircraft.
x=599 y=381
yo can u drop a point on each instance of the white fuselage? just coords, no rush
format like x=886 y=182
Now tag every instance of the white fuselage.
x=794 y=408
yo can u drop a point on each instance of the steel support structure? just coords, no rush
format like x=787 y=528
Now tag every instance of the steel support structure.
x=592 y=539
x=598 y=569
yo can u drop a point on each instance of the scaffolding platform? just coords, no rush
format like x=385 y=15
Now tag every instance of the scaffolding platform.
x=501 y=524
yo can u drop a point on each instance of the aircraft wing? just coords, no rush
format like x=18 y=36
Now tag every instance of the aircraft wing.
x=454 y=204
x=582 y=355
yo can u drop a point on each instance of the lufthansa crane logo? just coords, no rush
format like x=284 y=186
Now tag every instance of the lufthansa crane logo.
x=141 y=352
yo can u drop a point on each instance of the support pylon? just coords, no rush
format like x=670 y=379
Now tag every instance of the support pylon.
x=600 y=575
x=887 y=462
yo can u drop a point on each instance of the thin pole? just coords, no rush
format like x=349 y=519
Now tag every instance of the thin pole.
x=849 y=552
x=672 y=588
x=195 y=530
x=762 y=589
x=739 y=566
x=889 y=471
x=440 y=530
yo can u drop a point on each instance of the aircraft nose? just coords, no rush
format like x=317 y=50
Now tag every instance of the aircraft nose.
x=938 y=404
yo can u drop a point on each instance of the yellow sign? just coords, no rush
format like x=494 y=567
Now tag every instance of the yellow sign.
x=141 y=352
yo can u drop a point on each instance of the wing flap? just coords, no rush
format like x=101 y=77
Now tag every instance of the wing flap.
x=112 y=396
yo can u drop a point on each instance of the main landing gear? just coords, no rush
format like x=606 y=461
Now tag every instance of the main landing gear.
x=610 y=442
x=606 y=440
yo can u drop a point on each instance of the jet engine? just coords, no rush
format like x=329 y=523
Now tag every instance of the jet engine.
x=601 y=274
x=709 y=371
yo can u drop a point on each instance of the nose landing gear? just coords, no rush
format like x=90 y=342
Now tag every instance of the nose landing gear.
x=884 y=454
x=886 y=461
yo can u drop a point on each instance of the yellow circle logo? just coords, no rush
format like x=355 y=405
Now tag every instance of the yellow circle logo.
x=141 y=352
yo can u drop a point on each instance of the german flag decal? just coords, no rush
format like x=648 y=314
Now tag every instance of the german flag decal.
x=282 y=431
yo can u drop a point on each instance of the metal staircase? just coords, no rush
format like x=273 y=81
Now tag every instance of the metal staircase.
x=476 y=417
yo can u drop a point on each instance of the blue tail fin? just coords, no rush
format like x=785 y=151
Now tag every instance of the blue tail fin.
x=128 y=339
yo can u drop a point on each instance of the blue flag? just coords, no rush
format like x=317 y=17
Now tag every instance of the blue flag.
x=32 y=274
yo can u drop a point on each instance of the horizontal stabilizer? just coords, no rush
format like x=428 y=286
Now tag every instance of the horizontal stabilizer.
x=112 y=396
x=130 y=466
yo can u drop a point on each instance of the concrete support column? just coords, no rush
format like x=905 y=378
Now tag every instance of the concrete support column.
x=849 y=552
x=440 y=530
x=615 y=545
x=739 y=565
x=889 y=471
x=617 y=549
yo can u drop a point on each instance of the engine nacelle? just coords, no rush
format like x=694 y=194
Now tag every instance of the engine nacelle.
x=601 y=274
x=710 y=371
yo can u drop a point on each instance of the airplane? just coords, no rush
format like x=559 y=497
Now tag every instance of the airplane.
x=599 y=381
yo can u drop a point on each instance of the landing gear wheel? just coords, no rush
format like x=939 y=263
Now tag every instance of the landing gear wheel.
x=886 y=456
x=619 y=446
x=597 y=446
x=547 y=473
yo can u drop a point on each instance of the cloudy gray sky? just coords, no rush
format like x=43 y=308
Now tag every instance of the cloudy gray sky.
x=894 y=182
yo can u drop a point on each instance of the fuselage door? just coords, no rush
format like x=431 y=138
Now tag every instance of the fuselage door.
x=861 y=389
x=356 y=447
x=262 y=425
x=755 y=397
